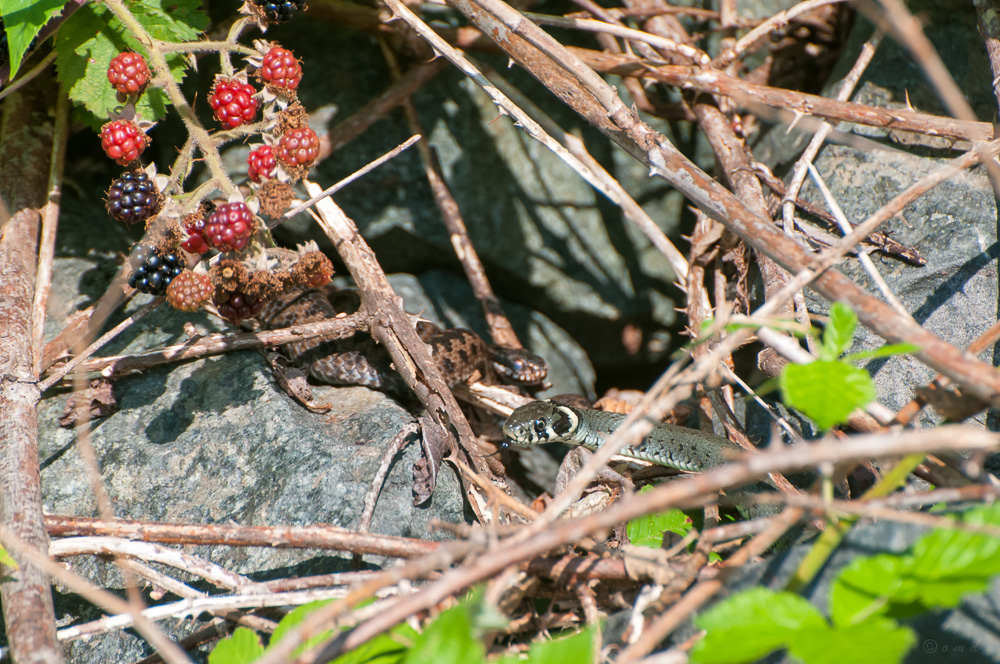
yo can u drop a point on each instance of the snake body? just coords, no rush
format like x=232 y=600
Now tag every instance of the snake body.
x=666 y=445
x=460 y=354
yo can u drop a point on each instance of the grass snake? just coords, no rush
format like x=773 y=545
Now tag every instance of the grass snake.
x=667 y=445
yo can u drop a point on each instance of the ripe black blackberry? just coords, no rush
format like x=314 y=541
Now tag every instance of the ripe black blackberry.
x=133 y=197
x=151 y=271
x=280 y=11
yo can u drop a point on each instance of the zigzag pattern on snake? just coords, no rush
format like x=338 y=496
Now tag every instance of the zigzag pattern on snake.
x=459 y=353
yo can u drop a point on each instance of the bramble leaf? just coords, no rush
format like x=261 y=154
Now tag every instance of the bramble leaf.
x=91 y=37
x=243 y=647
x=648 y=530
x=877 y=641
x=942 y=567
x=22 y=23
x=448 y=640
x=295 y=617
x=751 y=624
x=826 y=391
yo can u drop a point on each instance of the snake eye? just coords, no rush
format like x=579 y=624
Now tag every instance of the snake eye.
x=539 y=425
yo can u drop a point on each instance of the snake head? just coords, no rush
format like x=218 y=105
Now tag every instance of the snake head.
x=518 y=365
x=540 y=422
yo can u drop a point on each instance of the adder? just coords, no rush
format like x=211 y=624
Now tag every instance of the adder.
x=459 y=353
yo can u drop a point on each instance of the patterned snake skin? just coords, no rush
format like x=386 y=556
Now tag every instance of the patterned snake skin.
x=459 y=353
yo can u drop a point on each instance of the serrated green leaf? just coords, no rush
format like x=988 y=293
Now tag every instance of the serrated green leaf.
x=22 y=23
x=575 y=648
x=883 y=351
x=448 y=640
x=865 y=586
x=648 y=530
x=839 y=332
x=943 y=566
x=91 y=37
x=294 y=618
x=877 y=641
x=950 y=563
x=751 y=624
x=388 y=648
x=826 y=391
x=5 y=559
x=243 y=647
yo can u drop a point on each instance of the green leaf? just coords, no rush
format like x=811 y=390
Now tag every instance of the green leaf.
x=242 y=647
x=751 y=624
x=826 y=391
x=448 y=640
x=943 y=566
x=388 y=648
x=878 y=641
x=883 y=351
x=22 y=23
x=839 y=332
x=648 y=530
x=7 y=560
x=575 y=648
x=91 y=37
x=865 y=587
x=294 y=618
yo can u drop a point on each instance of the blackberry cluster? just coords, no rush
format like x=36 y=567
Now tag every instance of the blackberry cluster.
x=133 y=197
x=280 y=11
x=151 y=271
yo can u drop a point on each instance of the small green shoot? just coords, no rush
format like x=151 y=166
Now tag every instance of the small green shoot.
x=829 y=389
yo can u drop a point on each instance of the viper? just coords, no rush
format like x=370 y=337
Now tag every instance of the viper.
x=460 y=354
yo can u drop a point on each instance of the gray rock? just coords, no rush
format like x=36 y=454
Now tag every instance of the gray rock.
x=954 y=226
x=215 y=441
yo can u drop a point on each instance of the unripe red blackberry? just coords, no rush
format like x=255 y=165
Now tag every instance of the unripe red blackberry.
x=261 y=164
x=237 y=306
x=298 y=147
x=280 y=70
x=151 y=271
x=233 y=102
x=123 y=141
x=229 y=227
x=194 y=226
x=133 y=197
x=128 y=73
x=189 y=290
